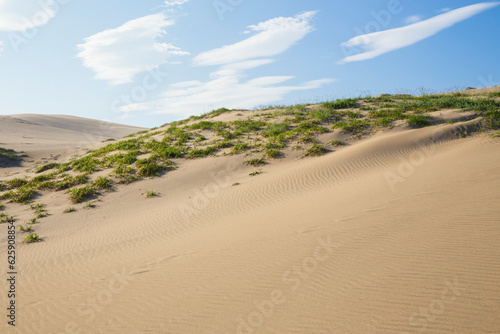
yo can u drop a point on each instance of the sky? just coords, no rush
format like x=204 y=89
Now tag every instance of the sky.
x=150 y=62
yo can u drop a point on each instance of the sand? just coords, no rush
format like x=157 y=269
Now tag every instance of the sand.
x=396 y=233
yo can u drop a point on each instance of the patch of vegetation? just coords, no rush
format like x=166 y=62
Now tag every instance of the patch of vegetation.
x=354 y=127
x=46 y=167
x=256 y=172
x=150 y=167
x=2 y=207
x=273 y=153
x=240 y=147
x=496 y=135
x=340 y=104
x=337 y=143
x=89 y=205
x=23 y=195
x=86 y=164
x=70 y=209
x=25 y=228
x=275 y=129
x=9 y=154
x=151 y=193
x=316 y=150
x=31 y=238
x=494 y=94
x=201 y=152
x=103 y=183
x=418 y=121
x=78 y=195
x=255 y=162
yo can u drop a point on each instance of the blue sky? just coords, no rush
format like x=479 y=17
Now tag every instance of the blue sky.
x=150 y=62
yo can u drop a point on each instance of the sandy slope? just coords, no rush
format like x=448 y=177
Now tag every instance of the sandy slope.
x=397 y=233
x=54 y=137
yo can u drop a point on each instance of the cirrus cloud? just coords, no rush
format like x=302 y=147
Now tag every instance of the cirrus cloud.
x=379 y=43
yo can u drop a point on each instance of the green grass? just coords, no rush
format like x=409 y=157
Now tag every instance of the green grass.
x=340 y=104
x=151 y=193
x=273 y=153
x=337 y=143
x=70 y=209
x=275 y=129
x=31 y=238
x=240 y=147
x=46 y=167
x=9 y=154
x=2 y=207
x=201 y=152
x=149 y=168
x=354 y=127
x=78 y=195
x=316 y=150
x=86 y=164
x=23 y=195
x=255 y=162
x=494 y=94
x=103 y=183
x=256 y=172
x=418 y=121
x=496 y=135
x=89 y=205
x=25 y=228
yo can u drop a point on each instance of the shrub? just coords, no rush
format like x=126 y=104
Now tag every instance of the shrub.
x=255 y=162
x=70 y=209
x=23 y=195
x=79 y=195
x=47 y=167
x=273 y=153
x=316 y=150
x=275 y=129
x=149 y=168
x=337 y=143
x=151 y=193
x=418 y=121
x=103 y=183
x=340 y=104
x=239 y=147
x=201 y=152
x=16 y=183
x=33 y=237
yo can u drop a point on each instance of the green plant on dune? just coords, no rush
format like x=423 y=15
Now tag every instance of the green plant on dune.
x=316 y=150
x=78 y=195
x=31 y=238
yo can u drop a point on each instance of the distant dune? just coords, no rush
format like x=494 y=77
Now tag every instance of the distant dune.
x=369 y=220
x=44 y=137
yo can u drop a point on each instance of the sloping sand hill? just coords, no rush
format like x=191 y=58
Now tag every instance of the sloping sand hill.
x=396 y=232
x=55 y=137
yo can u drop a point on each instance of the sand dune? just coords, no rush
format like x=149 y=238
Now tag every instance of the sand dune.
x=55 y=137
x=395 y=233
x=361 y=258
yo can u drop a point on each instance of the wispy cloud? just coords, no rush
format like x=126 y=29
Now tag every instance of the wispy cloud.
x=228 y=85
x=413 y=19
x=16 y=15
x=173 y=3
x=379 y=43
x=273 y=37
x=117 y=55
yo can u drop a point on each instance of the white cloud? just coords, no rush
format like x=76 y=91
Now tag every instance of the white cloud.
x=379 y=43
x=273 y=37
x=17 y=15
x=228 y=85
x=118 y=54
x=413 y=19
x=172 y=3
x=443 y=10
